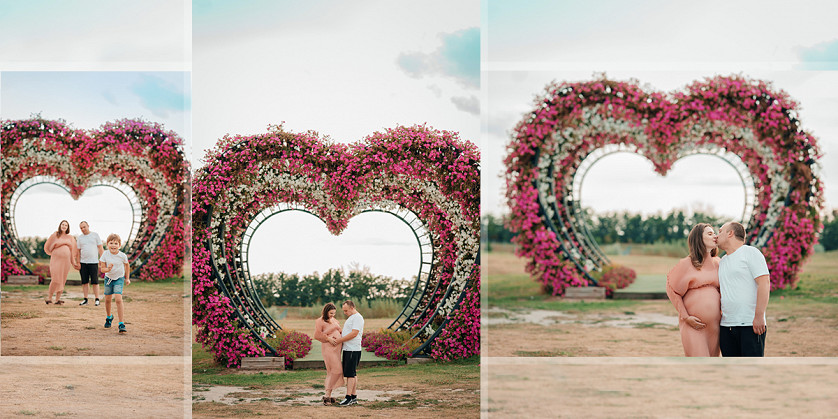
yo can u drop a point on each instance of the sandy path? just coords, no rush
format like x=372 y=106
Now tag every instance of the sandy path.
x=393 y=396
x=154 y=315
x=93 y=387
x=649 y=330
x=652 y=388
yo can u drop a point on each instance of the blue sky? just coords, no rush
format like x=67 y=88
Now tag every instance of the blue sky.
x=87 y=100
x=664 y=45
x=95 y=34
x=767 y=31
x=333 y=67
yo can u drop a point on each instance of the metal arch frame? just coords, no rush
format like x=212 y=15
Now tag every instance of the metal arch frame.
x=423 y=277
x=543 y=205
x=137 y=211
x=708 y=150
x=573 y=208
x=219 y=276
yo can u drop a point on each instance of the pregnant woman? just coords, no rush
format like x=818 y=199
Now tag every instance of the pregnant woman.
x=327 y=326
x=61 y=247
x=693 y=288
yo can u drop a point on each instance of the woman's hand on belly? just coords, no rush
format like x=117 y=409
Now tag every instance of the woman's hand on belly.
x=695 y=323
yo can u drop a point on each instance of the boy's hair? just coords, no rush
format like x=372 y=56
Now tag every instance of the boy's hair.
x=113 y=236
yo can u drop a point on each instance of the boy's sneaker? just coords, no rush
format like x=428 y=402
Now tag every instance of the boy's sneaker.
x=108 y=321
x=122 y=328
x=347 y=401
x=83 y=303
x=97 y=302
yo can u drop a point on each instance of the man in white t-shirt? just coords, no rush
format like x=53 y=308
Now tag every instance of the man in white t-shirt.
x=353 y=330
x=745 y=284
x=90 y=249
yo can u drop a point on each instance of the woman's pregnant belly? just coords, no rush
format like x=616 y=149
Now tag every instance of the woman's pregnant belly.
x=61 y=252
x=704 y=303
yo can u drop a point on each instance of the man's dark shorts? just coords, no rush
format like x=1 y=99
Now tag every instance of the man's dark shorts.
x=89 y=273
x=741 y=341
x=350 y=362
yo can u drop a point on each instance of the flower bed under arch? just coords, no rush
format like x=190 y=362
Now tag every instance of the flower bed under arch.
x=139 y=154
x=431 y=173
x=737 y=115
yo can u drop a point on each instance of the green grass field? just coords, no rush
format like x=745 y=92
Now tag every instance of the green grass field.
x=510 y=287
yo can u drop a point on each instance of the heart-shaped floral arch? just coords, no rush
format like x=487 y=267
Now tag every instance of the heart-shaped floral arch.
x=733 y=116
x=430 y=173
x=143 y=157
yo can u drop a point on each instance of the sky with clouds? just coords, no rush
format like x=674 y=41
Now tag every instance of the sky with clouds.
x=95 y=34
x=665 y=46
x=86 y=100
x=343 y=69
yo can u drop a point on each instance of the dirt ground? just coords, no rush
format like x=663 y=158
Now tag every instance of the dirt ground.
x=649 y=329
x=653 y=388
x=93 y=387
x=379 y=395
x=155 y=315
x=384 y=402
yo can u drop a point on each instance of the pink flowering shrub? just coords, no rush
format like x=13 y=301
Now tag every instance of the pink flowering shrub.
x=41 y=270
x=139 y=154
x=461 y=337
x=431 y=173
x=291 y=344
x=616 y=277
x=390 y=344
x=747 y=118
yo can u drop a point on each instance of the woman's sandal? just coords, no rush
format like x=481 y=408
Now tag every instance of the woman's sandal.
x=48 y=301
x=326 y=401
x=332 y=400
x=59 y=302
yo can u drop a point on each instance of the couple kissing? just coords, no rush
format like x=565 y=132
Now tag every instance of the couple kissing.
x=721 y=302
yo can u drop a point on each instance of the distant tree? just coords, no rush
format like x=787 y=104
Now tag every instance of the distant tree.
x=35 y=246
x=829 y=235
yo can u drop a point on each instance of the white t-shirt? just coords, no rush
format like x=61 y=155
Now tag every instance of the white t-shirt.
x=354 y=322
x=737 y=272
x=119 y=260
x=89 y=247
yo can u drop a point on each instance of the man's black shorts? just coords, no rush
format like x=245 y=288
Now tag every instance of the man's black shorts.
x=350 y=362
x=89 y=273
x=741 y=341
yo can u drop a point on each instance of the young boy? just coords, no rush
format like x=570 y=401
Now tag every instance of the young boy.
x=115 y=266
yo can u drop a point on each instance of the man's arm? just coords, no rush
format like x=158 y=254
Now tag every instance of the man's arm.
x=348 y=337
x=127 y=274
x=101 y=250
x=763 y=290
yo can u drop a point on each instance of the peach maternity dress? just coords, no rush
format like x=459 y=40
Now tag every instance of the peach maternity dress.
x=331 y=353
x=695 y=292
x=61 y=251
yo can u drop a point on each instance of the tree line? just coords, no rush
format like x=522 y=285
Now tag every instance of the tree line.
x=283 y=289
x=628 y=227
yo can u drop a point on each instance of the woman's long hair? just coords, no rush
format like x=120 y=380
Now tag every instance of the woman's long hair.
x=58 y=232
x=326 y=309
x=698 y=250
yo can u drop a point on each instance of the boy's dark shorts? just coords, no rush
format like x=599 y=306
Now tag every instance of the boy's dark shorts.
x=89 y=273
x=350 y=362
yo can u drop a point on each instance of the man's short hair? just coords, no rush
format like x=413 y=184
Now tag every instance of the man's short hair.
x=83 y=222
x=112 y=237
x=349 y=303
x=737 y=229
